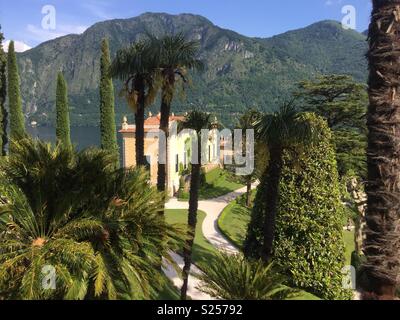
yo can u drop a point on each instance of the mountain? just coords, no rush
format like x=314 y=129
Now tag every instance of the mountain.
x=241 y=72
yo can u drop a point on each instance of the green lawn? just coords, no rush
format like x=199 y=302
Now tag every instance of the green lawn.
x=350 y=246
x=202 y=250
x=234 y=220
x=218 y=183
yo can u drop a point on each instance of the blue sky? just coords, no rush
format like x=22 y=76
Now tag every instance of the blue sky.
x=21 y=20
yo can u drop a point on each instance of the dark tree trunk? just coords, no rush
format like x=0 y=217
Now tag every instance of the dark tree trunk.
x=166 y=99
x=192 y=222
x=271 y=199
x=164 y=126
x=253 y=244
x=383 y=188
x=248 y=193
x=3 y=111
x=139 y=121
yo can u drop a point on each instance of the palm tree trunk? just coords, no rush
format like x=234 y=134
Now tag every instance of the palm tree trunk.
x=164 y=126
x=192 y=222
x=271 y=198
x=248 y=193
x=139 y=121
x=253 y=244
x=3 y=109
x=383 y=188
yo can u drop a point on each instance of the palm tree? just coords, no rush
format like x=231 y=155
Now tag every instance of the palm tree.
x=383 y=188
x=232 y=277
x=280 y=131
x=246 y=122
x=176 y=56
x=98 y=227
x=137 y=67
x=34 y=225
x=196 y=121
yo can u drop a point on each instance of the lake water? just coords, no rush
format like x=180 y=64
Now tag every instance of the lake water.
x=82 y=137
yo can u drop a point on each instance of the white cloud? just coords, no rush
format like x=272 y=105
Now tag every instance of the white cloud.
x=98 y=9
x=19 y=46
x=39 y=34
x=332 y=2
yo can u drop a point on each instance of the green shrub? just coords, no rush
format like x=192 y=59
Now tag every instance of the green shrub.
x=203 y=180
x=308 y=240
x=357 y=262
x=309 y=236
x=181 y=169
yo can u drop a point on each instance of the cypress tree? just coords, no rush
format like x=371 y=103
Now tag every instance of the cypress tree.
x=62 y=110
x=107 y=113
x=3 y=94
x=17 y=126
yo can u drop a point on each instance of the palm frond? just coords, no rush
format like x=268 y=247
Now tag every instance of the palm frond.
x=99 y=227
x=231 y=277
x=284 y=127
x=196 y=120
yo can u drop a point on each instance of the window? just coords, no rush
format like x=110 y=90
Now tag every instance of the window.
x=214 y=153
x=185 y=160
x=147 y=162
x=177 y=164
x=209 y=153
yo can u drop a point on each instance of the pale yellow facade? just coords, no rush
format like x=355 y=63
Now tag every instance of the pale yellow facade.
x=177 y=152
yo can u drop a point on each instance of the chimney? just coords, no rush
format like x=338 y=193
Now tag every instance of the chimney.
x=124 y=123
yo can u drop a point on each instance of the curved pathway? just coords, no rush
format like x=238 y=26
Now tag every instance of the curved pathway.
x=213 y=209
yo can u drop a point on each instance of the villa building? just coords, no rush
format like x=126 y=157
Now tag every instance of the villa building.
x=178 y=153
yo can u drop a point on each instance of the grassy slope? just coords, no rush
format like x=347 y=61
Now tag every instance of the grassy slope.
x=218 y=183
x=202 y=250
x=350 y=246
x=233 y=222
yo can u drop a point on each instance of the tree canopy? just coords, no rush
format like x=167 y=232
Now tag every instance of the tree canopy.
x=3 y=95
x=97 y=226
x=343 y=103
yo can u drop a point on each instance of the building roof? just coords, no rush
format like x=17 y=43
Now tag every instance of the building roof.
x=155 y=121
x=151 y=124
